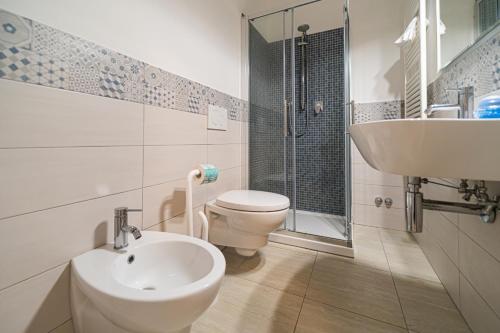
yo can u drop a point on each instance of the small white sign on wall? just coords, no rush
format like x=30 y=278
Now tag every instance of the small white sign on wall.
x=217 y=118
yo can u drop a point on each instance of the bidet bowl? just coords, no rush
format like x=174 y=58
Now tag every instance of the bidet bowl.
x=160 y=283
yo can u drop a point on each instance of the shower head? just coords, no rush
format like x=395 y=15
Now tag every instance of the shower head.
x=303 y=28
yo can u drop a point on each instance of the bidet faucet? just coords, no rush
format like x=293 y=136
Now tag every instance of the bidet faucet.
x=122 y=228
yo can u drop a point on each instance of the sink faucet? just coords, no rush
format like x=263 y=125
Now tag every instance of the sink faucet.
x=464 y=105
x=122 y=228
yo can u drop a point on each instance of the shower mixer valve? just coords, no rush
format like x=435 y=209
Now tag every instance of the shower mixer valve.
x=318 y=107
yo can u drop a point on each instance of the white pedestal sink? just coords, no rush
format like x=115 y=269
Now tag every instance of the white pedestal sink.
x=447 y=148
x=160 y=283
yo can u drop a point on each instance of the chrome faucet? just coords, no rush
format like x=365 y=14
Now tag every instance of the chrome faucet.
x=463 y=107
x=122 y=228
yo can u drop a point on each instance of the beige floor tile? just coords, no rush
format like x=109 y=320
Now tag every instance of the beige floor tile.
x=283 y=268
x=244 y=306
x=233 y=260
x=321 y=318
x=368 y=249
x=362 y=232
x=428 y=307
x=409 y=261
x=369 y=253
x=355 y=288
x=397 y=237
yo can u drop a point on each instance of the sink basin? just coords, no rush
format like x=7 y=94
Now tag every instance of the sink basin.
x=446 y=148
x=160 y=283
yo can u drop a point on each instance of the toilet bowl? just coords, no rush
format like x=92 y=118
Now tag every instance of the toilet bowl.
x=243 y=219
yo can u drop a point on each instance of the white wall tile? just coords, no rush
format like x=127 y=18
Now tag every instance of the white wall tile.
x=39 y=178
x=488 y=235
x=244 y=166
x=178 y=224
x=375 y=177
x=358 y=174
x=365 y=194
x=225 y=156
x=229 y=179
x=444 y=232
x=67 y=327
x=445 y=268
x=167 y=126
x=476 y=311
x=38 y=304
x=232 y=135
x=164 y=201
x=392 y=218
x=36 y=116
x=481 y=270
x=59 y=234
x=167 y=163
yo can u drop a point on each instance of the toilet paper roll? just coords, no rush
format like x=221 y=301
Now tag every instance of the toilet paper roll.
x=208 y=174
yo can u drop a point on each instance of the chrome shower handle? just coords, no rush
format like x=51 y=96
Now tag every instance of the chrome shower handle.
x=285 y=118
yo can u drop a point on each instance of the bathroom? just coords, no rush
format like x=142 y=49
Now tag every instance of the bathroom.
x=249 y=166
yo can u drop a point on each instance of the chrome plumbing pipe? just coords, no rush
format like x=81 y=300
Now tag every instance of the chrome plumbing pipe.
x=485 y=208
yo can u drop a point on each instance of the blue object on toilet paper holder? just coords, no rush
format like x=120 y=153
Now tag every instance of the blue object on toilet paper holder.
x=208 y=174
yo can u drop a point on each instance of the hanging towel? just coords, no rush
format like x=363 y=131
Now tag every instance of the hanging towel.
x=442 y=28
x=409 y=33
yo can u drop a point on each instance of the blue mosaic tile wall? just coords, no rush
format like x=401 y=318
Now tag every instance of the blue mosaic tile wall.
x=35 y=53
x=320 y=153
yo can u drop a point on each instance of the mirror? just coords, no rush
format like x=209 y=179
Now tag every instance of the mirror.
x=459 y=23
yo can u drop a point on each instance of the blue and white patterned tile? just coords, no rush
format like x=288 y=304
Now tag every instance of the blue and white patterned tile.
x=15 y=31
x=17 y=64
x=69 y=48
x=50 y=72
x=121 y=76
x=36 y=53
x=111 y=85
x=84 y=78
x=159 y=87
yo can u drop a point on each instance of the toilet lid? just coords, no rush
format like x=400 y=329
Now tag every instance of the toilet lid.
x=253 y=201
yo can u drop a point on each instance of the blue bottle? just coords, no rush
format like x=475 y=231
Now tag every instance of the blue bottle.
x=488 y=108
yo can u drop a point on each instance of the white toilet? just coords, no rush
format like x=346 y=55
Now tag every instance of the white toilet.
x=243 y=219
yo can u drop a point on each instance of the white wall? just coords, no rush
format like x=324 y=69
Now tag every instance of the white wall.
x=320 y=16
x=375 y=59
x=196 y=39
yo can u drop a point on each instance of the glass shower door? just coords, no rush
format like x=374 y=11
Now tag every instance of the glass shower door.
x=270 y=119
x=297 y=120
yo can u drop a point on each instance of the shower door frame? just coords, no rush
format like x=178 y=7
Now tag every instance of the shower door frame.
x=315 y=242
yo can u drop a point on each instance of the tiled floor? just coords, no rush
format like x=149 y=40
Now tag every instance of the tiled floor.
x=388 y=287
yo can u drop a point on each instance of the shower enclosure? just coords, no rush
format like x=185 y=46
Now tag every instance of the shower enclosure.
x=299 y=114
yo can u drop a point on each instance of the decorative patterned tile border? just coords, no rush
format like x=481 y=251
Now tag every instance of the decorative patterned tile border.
x=478 y=67
x=364 y=112
x=34 y=53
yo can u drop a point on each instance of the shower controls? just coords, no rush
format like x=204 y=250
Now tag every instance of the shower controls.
x=318 y=107
x=388 y=202
x=378 y=201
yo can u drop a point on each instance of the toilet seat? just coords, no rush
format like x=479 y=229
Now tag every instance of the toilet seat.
x=253 y=201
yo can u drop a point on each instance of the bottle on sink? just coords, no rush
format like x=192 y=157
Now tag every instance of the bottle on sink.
x=488 y=108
